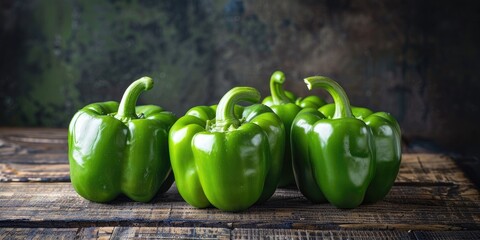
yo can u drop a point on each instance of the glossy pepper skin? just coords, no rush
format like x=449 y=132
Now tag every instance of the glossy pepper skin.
x=333 y=158
x=343 y=158
x=119 y=148
x=388 y=150
x=286 y=106
x=225 y=160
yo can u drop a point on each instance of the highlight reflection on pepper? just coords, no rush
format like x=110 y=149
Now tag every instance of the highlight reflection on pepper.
x=228 y=156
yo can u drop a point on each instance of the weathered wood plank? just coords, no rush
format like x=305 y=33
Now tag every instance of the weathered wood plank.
x=115 y=233
x=238 y=233
x=405 y=208
x=35 y=135
x=430 y=168
x=37 y=158
x=447 y=235
x=154 y=233
x=222 y=233
x=249 y=233
x=431 y=193
x=38 y=233
x=33 y=145
x=190 y=233
x=13 y=172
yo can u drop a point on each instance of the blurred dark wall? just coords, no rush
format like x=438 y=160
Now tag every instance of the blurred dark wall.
x=419 y=60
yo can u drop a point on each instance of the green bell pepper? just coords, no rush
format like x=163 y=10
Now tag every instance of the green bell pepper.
x=119 y=148
x=388 y=150
x=340 y=158
x=283 y=103
x=221 y=159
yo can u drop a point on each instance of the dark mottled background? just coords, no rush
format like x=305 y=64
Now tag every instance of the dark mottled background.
x=419 y=60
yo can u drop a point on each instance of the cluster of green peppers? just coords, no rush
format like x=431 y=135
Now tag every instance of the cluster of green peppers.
x=231 y=157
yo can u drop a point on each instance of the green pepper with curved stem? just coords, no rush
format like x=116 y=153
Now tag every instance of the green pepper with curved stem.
x=224 y=160
x=119 y=148
x=312 y=101
x=333 y=158
x=387 y=136
x=269 y=101
x=287 y=109
x=361 y=113
x=344 y=155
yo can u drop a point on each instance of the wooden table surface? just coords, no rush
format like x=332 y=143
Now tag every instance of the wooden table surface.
x=432 y=199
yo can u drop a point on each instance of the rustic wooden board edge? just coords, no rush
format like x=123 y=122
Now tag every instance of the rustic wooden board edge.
x=45 y=205
x=38 y=233
x=182 y=223
x=19 y=172
x=115 y=233
x=224 y=233
x=446 y=235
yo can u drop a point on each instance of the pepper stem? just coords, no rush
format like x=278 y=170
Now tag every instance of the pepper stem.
x=342 y=104
x=126 y=110
x=225 y=115
x=276 y=88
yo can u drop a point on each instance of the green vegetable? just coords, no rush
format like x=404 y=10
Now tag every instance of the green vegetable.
x=230 y=157
x=119 y=148
x=268 y=100
x=341 y=157
x=283 y=103
x=387 y=137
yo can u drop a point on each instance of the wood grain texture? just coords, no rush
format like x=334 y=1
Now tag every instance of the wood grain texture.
x=115 y=233
x=222 y=233
x=154 y=233
x=405 y=208
x=33 y=145
x=248 y=233
x=33 y=155
x=431 y=198
x=447 y=235
x=19 y=172
x=38 y=233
